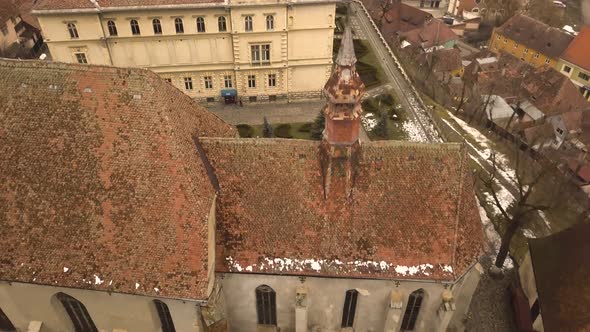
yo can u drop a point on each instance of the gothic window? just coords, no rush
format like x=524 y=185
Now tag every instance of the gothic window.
x=165 y=317
x=266 y=305
x=248 y=23
x=157 y=26
x=270 y=22
x=412 y=310
x=349 y=308
x=78 y=314
x=134 y=27
x=221 y=24
x=200 y=24
x=178 y=25
x=112 y=28
x=5 y=323
x=73 y=30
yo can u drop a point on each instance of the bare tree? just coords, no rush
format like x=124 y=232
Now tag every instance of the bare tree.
x=515 y=215
x=384 y=7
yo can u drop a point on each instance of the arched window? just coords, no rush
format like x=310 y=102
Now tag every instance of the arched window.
x=349 y=308
x=178 y=25
x=266 y=305
x=72 y=30
x=221 y=24
x=248 y=23
x=412 y=310
x=134 y=27
x=5 y=323
x=112 y=28
x=270 y=22
x=165 y=318
x=78 y=314
x=157 y=26
x=200 y=24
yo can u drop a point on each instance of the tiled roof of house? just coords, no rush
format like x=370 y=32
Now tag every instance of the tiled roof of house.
x=399 y=18
x=578 y=51
x=536 y=35
x=560 y=265
x=87 y=4
x=446 y=60
x=434 y=32
x=102 y=187
x=7 y=10
x=411 y=213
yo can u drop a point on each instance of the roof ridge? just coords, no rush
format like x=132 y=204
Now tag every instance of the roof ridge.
x=28 y=63
x=459 y=202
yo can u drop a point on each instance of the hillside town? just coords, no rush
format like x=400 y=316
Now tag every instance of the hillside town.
x=301 y=165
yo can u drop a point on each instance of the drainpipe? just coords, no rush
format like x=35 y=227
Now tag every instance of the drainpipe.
x=104 y=37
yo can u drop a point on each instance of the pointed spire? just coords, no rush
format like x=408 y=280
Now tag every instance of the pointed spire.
x=346 y=55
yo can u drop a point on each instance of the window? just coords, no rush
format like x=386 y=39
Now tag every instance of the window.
x=251 y=81
x=157 y=26
x=584 y=76
x=134 y=27
x=270 y=22
x=349 y=308
x=112 y=28
x=221 y=24
x=78 y=313
x=178 y=25
x=248 y=23
x=265 y=54
x=188 y=83
x=266 y=307
x=559 y=131
x=165 y=318
x=547 y=60
x=81 y=57
x=210 y=99
x=169 y=80
x=252 y=99
x=505 y=40
x=227 y=81
x=537 y=55
x=72 y=30
x=4 y=30
x=260 y=54
x=498 y=37
x=567 y=69
x=208 y=82
x=5 y=323
x=515 y=45
x=272 y=80
x=526 y=50
x=200 y=24
x=272 y=97
x=412 y=310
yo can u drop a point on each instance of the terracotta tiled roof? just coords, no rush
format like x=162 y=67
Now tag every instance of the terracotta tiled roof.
x=411 y=213
x=400 y=18
x=578 y=52
x=433 y=33
x=446 y=60
x=101 y=181
x=87 y=4
x=536 y=35
x=560 y=264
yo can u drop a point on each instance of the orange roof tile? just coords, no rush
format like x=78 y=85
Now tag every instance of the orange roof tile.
x=102 y=185
x=578 y=52
x=87 y=4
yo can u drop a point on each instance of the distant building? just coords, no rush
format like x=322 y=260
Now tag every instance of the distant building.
x=121 y=195
x=433 y=34
x=552 y=289
x=530 y=40
x=575 y=61
x=211 y=50
x=19 y=34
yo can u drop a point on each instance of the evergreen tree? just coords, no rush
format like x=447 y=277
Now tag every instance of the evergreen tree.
x=267 y=130
x=380 y=128
x=317 y=129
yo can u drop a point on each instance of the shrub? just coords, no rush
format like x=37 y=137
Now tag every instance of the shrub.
x=381 y=129
x=266 y=129
x=245 y=130
x=306 y=127
x=386 y=99
x=317 y=128
x=283 y=130
x=369 y=106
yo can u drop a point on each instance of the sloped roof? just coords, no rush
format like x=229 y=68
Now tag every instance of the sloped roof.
x=102 y=187
x=446 y=60
x=433 y=33
x=412 y=212
x=400 y=18
x=536 y=35
x=578 y=51
x=87 y=4
x=560 y=263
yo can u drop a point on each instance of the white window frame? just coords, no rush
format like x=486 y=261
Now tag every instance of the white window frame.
x=81 y=57
x=73 y=30
x=208 y=80
x=221 y=24
x=188 y=83
x=201 y=27
x=270 y=23
x=227 y=81
x=248 y=24
x=272 y=80
x=252 y=81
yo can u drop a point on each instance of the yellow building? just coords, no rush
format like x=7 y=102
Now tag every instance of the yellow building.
x=530 y=40
x=215 y=51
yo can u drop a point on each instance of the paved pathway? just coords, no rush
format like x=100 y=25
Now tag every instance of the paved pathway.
x=254 y=114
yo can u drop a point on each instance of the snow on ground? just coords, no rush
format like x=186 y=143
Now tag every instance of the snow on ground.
x=492 y=238
x=414 y=132
x=368 y=120
x=421 y=116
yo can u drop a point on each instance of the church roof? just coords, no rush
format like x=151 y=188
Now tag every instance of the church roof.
x=412 y=212
x=89 y=4
x=346 y=56
x=102 y=187
x=560 y=263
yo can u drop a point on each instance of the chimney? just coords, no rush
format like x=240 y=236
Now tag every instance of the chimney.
x=340 y=146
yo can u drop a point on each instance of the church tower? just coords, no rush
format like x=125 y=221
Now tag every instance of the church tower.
x=340 y=145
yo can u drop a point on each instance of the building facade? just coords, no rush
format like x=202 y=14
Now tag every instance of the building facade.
x=216 y=51
x=575 y=62
x=530 y=40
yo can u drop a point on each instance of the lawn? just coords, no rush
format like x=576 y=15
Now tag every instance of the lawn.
x=298 y=130
x=396 y=116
